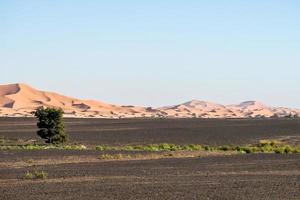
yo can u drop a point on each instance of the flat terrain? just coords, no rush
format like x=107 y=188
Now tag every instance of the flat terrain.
x=255 y=176
x=146 y=131
x=83 y=175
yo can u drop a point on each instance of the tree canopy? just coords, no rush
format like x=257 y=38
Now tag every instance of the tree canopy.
x=51 y=125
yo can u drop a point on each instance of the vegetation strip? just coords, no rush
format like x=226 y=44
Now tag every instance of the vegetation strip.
x=264 y=146
x=42 y=147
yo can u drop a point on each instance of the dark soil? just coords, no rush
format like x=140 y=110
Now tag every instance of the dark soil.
x=145 y=131
x=241 y=176
x=255 y=176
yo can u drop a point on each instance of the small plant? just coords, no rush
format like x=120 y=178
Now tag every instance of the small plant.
x=36 y=175
x=104 y=148
x=40 y=175
x=110 y=157
x=29 y=161
x=28 y=175
x=129 y=148
x=192 y=147
x=43 y=147
x=279 y=150
x=169 y=147
x=2 y=140
x=152 y=147
x=209 y=148
x=265 y=146
x=169 y=155
x=74 y=147
x=247 y=149
x=224 y=148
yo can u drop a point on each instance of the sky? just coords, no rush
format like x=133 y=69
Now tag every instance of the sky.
x=154 y=53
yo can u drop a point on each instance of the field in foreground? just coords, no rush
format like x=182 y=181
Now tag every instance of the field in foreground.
x=90 y=174
x=243 y=176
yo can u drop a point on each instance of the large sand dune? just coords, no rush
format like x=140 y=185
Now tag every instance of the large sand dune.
x=21 y=100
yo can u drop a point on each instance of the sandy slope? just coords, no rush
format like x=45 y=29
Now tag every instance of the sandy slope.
x=21 y=100
x=246 y=109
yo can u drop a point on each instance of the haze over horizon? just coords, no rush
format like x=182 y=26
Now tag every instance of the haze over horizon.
x=154 y=53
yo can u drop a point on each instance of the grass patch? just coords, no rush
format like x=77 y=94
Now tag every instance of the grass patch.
x=42 y=147
x=153 y=155
x=264 y=146
x=29 y=161
x=152 y=147
x=269 y=146
x=35 y=175
x=113 y=156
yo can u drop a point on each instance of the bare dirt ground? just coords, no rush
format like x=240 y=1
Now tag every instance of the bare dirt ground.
x=142 y=175
x=251 y=176
x=146 y=131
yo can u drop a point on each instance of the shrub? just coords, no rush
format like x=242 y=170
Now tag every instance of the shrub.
x=169 y=155
x=100 y=148
x=288 y=149
x=50 y=124
x=192 y=147
x=28 y=175
x=296 y=150
x=151 y=147
x=112 y=157
x=264 y=147
x=129 y=148
x=30 y=161
x=207 y=148
x=40 y=175
x=36 y=175
x=224 y=148
x=74 y=147
x=165 y=146
x=105 y=148
x=255 y=149
x=247 y=149
x=279 y=150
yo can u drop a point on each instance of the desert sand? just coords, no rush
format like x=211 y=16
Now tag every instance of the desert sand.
x=21 y=100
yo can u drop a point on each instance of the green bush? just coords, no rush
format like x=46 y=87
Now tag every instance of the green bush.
x=50 y=124
x=296 y=149
x=288 y=149
x=279 y=150
x=111 y=156
x=74 y=147
x=151 y=147
x=247 y=149
x=103 y=148
x=129 y=148
x=40 y=175
x=192 y=147
x=28 y=175
x=224 y=148
x=36 y=175
x=166 y=147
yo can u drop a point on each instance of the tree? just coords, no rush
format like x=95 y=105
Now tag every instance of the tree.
x=51 y=125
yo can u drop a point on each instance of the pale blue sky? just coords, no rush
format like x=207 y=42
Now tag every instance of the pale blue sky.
x=157 y=52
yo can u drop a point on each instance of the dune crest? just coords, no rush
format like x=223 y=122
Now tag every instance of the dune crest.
x=21 y=100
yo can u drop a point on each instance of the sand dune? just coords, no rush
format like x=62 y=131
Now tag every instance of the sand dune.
x=21 y=100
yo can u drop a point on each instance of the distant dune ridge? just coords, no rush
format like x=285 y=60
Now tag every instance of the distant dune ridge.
x=21 y=100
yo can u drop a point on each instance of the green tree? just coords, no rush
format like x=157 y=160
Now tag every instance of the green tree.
x=51 y=125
